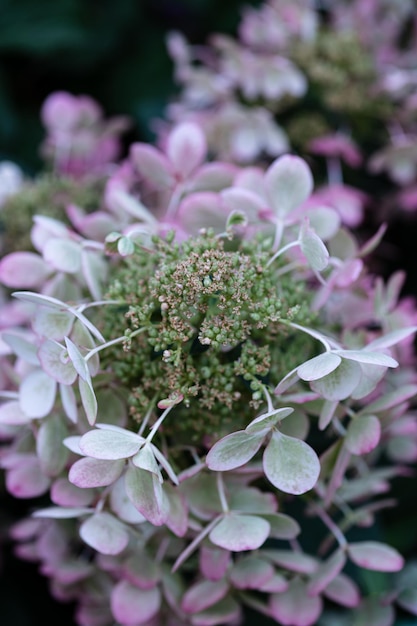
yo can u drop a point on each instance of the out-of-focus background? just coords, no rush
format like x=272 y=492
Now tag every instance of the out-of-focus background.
x=111 y=50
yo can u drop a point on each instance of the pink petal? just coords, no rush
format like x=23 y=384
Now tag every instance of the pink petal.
x=25 y=479
x=89 y=472
x=132 y=606
x=288 y=182
x=23 y=270
x=294 y=607
x=152 y=165
x=186 y=148
x=374 y=555
x=103 y=532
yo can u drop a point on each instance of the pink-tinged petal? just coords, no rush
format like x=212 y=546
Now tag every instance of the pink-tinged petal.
x=73 y=444
x=53 y=360
x=337 y=145
x=214 y=562
x=203 y=594
x=339 y=384
x=63 y=493
x=77 y=359
x=313 y=248
x=88 y=400
x=202 y=209
x=93 y=615
x=282 y=526
x=363 y=434
x=288 y=183
x=122 y=506
x=348 y=273
x=290 y=464
x=103 y=532
x=22 y=345
x=368 y=357
x=374 y=555
x=347 y=201
x=277 y=584
x=233 y=451
x=213 y=177
x=145 y=459
x=109 y=444
x=63 y=255
x=293 y=561
x=143 y=572
x=90 y=472
x=132 y=606
x=240 y=532
x=12 y=415
x=251 y=500
x=324 y=220
x=94 y=270
x=152 y=165
x=27 y=552
x=268 y=420
x=240 y=199
x=61 y=512
x=53 y=324
x=319 y=366
x=51 y=452
x=251 y=572
x=145 y=492
x=60 y=109
x=26 y=529
x=326 y=572
x=407 y=199
x=294 y=607
x=37 y=394
x=343 y=590
x=72 y=572
x=69 y=402
x=392 y=338
x=226 y=611
x=23 y=270
x=392 y=399
x=177 y=520
x=186 y=148
x=93 y=226
x=26 y=479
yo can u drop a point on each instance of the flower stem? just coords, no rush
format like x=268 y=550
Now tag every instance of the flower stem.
x=221 y=492
x=113 y=342
x=334 y=529
x=278 y=253
x=157 y=424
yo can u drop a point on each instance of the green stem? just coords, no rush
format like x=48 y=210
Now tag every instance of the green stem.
x=113 y=342
x=221 y=492
x=157 y=424
x=281 y=251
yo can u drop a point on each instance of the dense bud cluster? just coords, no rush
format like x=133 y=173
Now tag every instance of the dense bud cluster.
x=213 y=314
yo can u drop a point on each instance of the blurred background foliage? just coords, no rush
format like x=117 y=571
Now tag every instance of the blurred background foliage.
x=112 y=51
